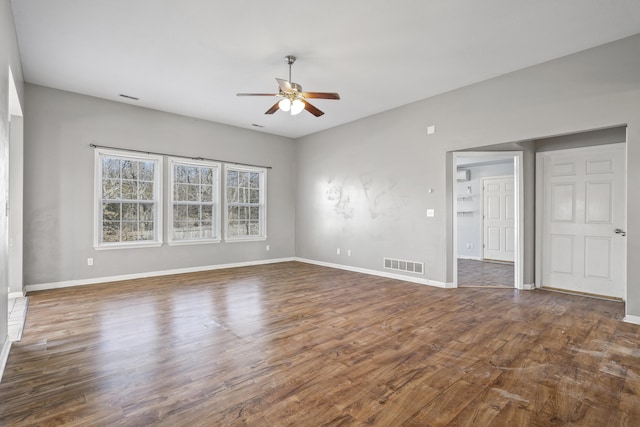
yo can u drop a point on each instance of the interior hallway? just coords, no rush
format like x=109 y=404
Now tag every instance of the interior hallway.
x=473 y=273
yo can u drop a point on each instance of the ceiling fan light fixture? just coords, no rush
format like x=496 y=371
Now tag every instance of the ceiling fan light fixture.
x=285 y=104
x=296 y=107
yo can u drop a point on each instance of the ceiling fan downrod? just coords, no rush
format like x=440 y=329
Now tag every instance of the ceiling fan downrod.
x=290 y=60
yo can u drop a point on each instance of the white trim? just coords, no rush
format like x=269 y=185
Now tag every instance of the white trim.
x=630 y=318
x=475 y=258
x=132 y=245
x=377 y=273
x=529 y=286
x=96 y=280
x=4 y=356
x=16 y=294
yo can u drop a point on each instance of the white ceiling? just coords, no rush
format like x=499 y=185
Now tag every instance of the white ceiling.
x=192 y=56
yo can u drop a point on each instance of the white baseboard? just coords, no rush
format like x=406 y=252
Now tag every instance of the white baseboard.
x=377 y=273
x=4 y=355
x=17 y=294
x=475 y=258
x=529 y=286
x=630 y=318
x=96 y=280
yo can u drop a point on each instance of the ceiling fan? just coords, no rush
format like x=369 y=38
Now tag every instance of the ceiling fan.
x=293 y=99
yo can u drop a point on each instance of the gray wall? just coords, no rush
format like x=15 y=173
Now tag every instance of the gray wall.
x=9 y=58
x=59 y=185
x=392 y=153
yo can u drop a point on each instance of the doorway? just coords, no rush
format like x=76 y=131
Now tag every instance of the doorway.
x=581 y=200
x=487 y=220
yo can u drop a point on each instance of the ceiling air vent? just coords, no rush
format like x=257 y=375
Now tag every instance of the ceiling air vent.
x=403 y=265
x=129 y=97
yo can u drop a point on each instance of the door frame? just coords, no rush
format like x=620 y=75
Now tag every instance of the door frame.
x=539 y=220
x=518 y=176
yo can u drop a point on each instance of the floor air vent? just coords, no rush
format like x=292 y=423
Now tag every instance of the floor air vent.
x=402 y=265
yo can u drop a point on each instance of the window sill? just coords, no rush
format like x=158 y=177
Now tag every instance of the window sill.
x=245 y=239
x=127 y=246
x=192 y=242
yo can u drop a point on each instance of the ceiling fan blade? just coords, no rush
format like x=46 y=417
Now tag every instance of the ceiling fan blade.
x=313 y=110
x=273 y=108
x=321 y=95
x=285 y=85
x=255 y=94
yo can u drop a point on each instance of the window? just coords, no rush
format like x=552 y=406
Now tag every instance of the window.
x=245 y=194
x=194 y=213
x=128 y=199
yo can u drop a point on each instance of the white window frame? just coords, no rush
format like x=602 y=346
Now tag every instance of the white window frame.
x=215 y=203
x=157 y=199
x=262 y=203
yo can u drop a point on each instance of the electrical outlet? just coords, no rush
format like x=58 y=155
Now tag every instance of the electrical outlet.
x=268 y=248
x=89 y=261
x=348 y=252
x=338 y=251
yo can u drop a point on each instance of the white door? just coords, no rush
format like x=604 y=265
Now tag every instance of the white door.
x=498 y=218
x=583 y=205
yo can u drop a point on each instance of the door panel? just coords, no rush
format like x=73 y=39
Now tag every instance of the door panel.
x=561 y=253
x=584 y=198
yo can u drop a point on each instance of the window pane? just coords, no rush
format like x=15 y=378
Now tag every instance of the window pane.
x=146 y=212
x=194 y=212
x=207 y=212
x=232 y=195
x=111 y=189
x=129 y=169
x=232 y=213
x=180 y=173
x=254 y=228
x=193 y=193
x=192 y=175
x=129 y=231
x=181 y=192
x=254 y=213
x=180 y=212
x=145 y=191
x=206 y=176
x=146 y=231
x=206 y=193
x=254 y=180
x=110 y=167
x=254 y=196
x=232 y=178
x=110 y=212
x=130 y=211
x=243 y=179
x=146 y=171
x=129 y=190
x=110 y=232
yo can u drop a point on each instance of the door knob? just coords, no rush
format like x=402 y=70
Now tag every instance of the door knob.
x=620 y=232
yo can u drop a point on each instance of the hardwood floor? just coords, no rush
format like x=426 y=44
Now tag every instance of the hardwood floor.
x=474 y=273
x=303 y=345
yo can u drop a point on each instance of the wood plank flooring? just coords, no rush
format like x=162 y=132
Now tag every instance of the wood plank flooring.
x=294 y=344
